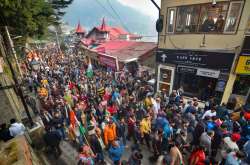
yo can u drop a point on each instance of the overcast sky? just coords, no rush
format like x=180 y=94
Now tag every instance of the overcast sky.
x=144 y=6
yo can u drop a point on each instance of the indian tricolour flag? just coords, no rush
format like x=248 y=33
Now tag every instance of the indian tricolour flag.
x=90 y=72
x=82 y=130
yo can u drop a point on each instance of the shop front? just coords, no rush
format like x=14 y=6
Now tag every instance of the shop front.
x=241 y=88
x=200 y=73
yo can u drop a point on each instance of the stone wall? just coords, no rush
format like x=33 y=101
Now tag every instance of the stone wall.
x=9 y=103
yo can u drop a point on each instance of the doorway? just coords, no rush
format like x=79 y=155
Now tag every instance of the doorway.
x=165 y=78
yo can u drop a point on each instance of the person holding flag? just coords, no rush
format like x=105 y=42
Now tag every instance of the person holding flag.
x=89 y=72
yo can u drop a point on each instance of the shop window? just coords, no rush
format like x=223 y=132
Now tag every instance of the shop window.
x=241 y=85
x=233 y=16
x=196 y=86
x=187 y=18
x=171 y=20
x=212 y=18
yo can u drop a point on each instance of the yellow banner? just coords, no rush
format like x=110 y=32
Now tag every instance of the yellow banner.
x=243 y=66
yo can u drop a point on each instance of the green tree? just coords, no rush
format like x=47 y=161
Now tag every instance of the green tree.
x=30 y=18
x=59 y=5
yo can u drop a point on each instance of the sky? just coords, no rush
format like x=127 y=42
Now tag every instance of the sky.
x=138 y=15
x=144 y=6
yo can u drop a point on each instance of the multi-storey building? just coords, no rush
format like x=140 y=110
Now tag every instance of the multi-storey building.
x=200 y=46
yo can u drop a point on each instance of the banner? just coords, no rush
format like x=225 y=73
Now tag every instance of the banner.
x=108 y=61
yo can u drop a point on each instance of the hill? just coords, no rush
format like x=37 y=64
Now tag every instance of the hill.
x=90 y=13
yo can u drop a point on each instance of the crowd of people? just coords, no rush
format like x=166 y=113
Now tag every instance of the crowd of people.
x=103 y=112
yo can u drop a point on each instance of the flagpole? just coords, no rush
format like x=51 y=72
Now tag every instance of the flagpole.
x=84 y=136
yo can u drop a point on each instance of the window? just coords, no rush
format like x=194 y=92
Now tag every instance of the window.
x=187 y=19
x=224 y=17
x=233 y=16
x=171 y=20
x=241 y=85
x=212 y=18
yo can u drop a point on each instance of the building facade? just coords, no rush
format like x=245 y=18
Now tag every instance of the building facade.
x=199 y=46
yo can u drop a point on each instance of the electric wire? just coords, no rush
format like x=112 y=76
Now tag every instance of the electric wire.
x=118 y=16
x=104 y=8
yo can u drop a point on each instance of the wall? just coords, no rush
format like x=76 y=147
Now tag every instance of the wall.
x=148 y=59
x=10 y=106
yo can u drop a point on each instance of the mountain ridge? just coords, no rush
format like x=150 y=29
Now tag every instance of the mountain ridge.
x=91 y=12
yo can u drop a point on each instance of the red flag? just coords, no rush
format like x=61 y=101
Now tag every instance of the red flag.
x=72 y=118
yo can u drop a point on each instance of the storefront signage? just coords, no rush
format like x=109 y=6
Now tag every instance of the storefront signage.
x=181 y=69
x=108 y=61
x=243 y=66
x=208 y=73
x=204 y=59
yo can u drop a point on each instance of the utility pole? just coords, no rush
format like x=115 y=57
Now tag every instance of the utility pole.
x=13 y=51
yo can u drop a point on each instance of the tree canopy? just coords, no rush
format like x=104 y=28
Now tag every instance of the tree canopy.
x=31 y=17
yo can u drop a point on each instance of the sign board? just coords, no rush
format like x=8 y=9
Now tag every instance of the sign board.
x=243 y=66
x=108 y=61
x=182 y=69
x=215 y=60
x=208 y=73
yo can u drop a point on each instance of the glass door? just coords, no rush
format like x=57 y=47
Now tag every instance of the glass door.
x=165 y=78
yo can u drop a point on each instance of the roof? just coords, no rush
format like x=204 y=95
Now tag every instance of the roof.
x=79 y=29
x=114 y=31
x=87 y=41
x=103 y=26
x=126 y=50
